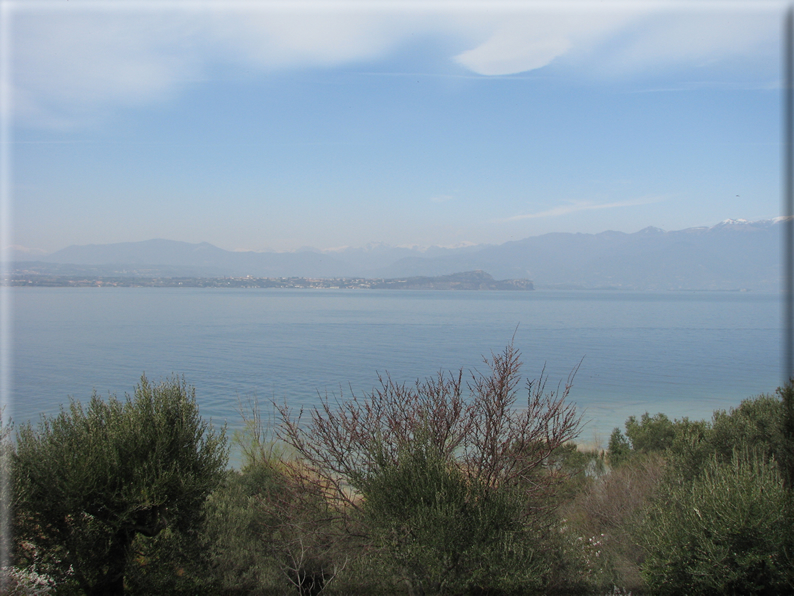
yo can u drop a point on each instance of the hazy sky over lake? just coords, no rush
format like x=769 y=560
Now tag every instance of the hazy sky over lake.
x=275 y=125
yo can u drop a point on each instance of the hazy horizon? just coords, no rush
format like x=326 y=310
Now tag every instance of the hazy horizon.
x=267 y=126
x=22 y=250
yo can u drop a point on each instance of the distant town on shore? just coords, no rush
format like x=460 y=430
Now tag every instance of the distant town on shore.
x=469 y=280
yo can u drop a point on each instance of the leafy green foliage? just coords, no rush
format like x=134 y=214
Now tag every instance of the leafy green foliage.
x=651 y=434
x=721 y=533
x=648 y=435
x=422 y=488
x=441 y=530
x=756 y=425
x=239 y=532
x=89 y=481
x=619 y=448
x=171 y=562
x=6 y=498
x=786 y=452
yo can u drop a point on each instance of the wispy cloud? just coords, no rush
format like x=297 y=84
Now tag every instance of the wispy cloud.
x=582 y=206
x=772 y=85
x=72 y=65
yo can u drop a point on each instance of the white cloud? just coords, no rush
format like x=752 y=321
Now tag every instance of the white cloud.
x=503 y=55
x=582 y=206
x=280 y=40
x=627 y=37
x=693 y=39
x=530 y=40
x=72 y=65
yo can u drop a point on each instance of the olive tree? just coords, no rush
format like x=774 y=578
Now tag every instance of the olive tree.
x=723 y=532
x=90 y=480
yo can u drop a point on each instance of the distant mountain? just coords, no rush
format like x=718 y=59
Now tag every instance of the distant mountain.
x=203 y=259
x=734 y=254
x=373 y=259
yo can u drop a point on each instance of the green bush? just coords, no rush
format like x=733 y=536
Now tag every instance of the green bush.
x=172 y=562
x=754 y=425
x=757 y=424
x=721 y=533
x=652 y=434
x=619 y=449
x=88 y=482
x=786 y=455
x=441 y=531
x=268 y=529
x=238 y=533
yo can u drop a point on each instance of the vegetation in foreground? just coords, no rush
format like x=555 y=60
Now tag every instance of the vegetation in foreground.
x=448 y=486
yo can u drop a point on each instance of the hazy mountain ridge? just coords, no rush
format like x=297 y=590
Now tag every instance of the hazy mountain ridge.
x=734 y=254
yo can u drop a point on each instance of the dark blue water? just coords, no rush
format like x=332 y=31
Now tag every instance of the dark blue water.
x=684 y=354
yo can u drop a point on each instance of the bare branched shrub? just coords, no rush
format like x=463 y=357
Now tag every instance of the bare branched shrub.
x=477 y=426
x=445 y=481
x=306 y=540
x=611 y=502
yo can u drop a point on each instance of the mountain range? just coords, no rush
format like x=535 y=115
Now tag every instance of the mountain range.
x=732 y=255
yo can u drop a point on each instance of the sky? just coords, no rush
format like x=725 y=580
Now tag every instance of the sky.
x=280 y=125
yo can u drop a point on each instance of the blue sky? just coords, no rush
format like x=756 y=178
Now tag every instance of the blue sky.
x=274 y=126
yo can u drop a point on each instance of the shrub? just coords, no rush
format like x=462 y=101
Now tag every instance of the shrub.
x=24 y=582
x=264 y=533
x=652 y=434
x=754 y=425
x=172 y=562
x=619 y=448
x=438 y=529
x=757 y=425
x=605 y=514
x=786 y=455
x=89 y=481
x=720 y=533
x=6 y=498
x=238 y=533
x=436 y=480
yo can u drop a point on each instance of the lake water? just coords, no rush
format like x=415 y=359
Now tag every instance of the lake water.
x=683 y=354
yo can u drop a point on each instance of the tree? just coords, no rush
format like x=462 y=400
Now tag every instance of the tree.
x=651 y=434
x=88 y=481
x=786 y=454
x=723 y=532
x=434 y=475
x=619 y=448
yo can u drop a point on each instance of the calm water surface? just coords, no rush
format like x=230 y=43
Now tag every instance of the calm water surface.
x=684 y=354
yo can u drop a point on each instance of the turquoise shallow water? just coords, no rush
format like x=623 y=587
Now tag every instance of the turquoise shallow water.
x=684 y=354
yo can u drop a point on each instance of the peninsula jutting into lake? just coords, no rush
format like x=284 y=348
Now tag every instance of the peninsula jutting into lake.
x=468 y=280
